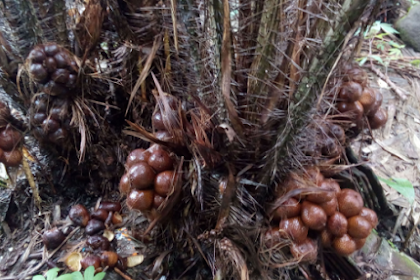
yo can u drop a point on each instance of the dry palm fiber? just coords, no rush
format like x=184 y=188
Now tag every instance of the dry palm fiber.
x=248 y=76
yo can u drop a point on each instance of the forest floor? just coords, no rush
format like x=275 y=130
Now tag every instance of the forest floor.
x=393 y=153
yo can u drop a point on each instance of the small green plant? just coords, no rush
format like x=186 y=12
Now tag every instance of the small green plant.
x=88 y=275
x=378 y=32
x=391 y=244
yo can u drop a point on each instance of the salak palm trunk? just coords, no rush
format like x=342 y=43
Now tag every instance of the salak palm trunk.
x=246 y=102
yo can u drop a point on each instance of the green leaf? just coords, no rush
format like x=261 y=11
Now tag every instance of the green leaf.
x=89 y=273
x=391 y=244
x=99 y=276
x=52 y=273
x=396 y=45
x=381 y=46
x=374 y=29
x=378 y=59
x=77 y=275
x=386 y=27
x=395 y=52
x=381 y=36
x=415 y=62
x=38 y=277
x=403 y=186
x=67 y=276
x=362 y=61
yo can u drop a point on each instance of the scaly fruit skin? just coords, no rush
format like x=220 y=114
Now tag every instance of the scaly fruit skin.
x=350 y=203
x=294 y=229
x=379 y=119
x=163 y=182
x=359 y=227
x=141 y=176
x=353 y=111
x=98 y=242
x=344 y=245
x=54 y=68
x=313 y=216
x=350 y=92
x=50 y=120
x=53 y=238
x=94 y=227
x=289 y=209
x=336 y=215
x=91 y=260
x=337 y=224
x=370 y=216
x=140 y=199
x=79 y=215
x=330 y=207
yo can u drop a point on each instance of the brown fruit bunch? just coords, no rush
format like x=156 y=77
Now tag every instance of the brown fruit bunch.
x=288 y=209
x=100 y=215
x=110 y=206
x=326 y=193
x=306 y=251
x=326 y=238
x=91 y=260
x=157 y=121
x=370 y=216
x=350 y=92
x=356 y=74
x=160 y=160
x=313 y=216
x=50 y=121
x=359 y=243
x=164 y=135
x=379 y=119
x=359 y=227
x=332 y=185
x=376 y=105
x=367 y=99
x=294 y=229
x=344 y=245
x=98 y=242
x=351 y=111
x=330 y=207
x=136 y=156
x=337 y=224
x=109 y=258
x=79 y=215
x=94 y=226
x=141 y=176
x=53 y=238
x=9 y=138
x=163 y=182
x=12 y=158
x=140 y=199
x=117 y=219
x=54 y=67
x=350 y=203
x=157 y=201
x=125 y=185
